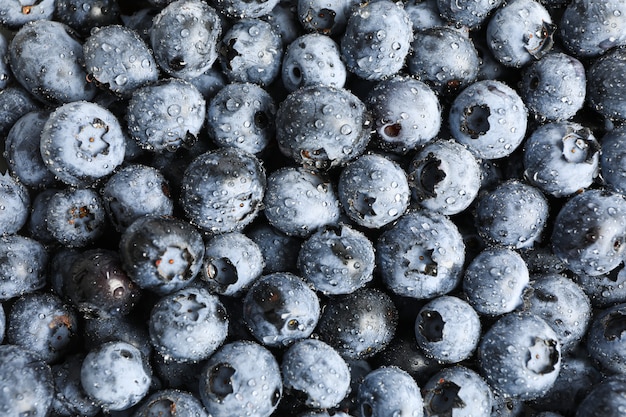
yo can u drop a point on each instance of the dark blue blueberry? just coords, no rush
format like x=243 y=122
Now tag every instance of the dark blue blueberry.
x=359 y=324
x=97 y=284
x=22 y=151
x=337 y=260
x=589 y=233
x=140 y=19
x=490 y=118
x=388 y=391
x=606 y=338
x=251 y=52
x=606 y=399
x=26 y=385
x=59 y=76
x=14 y=204
x=590 y=29
x=377 y=39
x=232 y=262
x=421 y=255
x=495 y=280
x=166 y=115
x=177 y=375
x=520 y=356
x=562 y=304
x=5 y=71
x=424 y=14
x=69 y=397
x=76 y=216
x=606 y=289
x=135 y=191
x=280 y=308
x=242 y=115
x=284 y=21
x=241 y=377
x=97 y=331
x=15 y=102
x=43 y=324
x=115 y=375
x=242 y=9
x=222 y=190
x=313 y=59
x=404 y=353
x=514 y=214
x=324 y=413
x=118 y=60
x=209 y=83
x=324 y=16
x=322 y=126
x=299 y=201
x=469 y=13
x=505 y=406
x=520 y=32
x=605 y=86
x=457 y=391
x=85 y=15
x=188 y=325
x=406 y=114
x=444 y=177
x=613 y=159
x=23 y=263
x=316 y=370
x=444 y=58
x=447 y=329
x=280 y=251
x=162 y=254
x=37 y=225
x=373 y=190
x=170 y=403
x=184 y=38
x=18 y=13
x=554 y=87
x=561 y=158
x=2 y=323
x=82 y=142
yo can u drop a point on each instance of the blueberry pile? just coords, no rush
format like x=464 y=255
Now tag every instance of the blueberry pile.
x=312 y=208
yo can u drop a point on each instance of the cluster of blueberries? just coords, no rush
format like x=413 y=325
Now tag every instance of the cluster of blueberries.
x=313 y=208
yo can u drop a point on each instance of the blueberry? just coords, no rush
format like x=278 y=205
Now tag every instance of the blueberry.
x=447 y=329
x=6 y=77
x=444 y=176
x=22 y=151
x=377 y=39
x=22 y=266
x=520 y=356
x=337 y=260
x=241 y=377
x=250 y=51
x=561 y=158
x=170 y=403
x=589 y=232
x=166 y=115
x=14 y=206
x=606 y=289
x=421 y=255
x=312 y=59
x=162 y=254
x=134 y=191
x=514 y=214
x=322 y=126
x=118 y=60
x=59 y=76
x=495 y=280
x=222 y=190
x=177 y=375
x=84 y=15
x=605 y=89
x=612 y=161
x=520 y=32
x=457 y=391
x=359 y=324
x=37 y=225
x=490 y=118
x=554 y=87
x=82 y=142
x=232 y=262
x=26 y=386
x=406 y=114
x=184 y=38
x=280 y=308
x=115 y=375
x=606 y=398
x=605 y=341
x=323 y=16
x=188 y=325
x=373 y=190
x=17 y=13
x=241 y=9
x=315 y=369
x=209 y=83
x=424 y=14
x=284 y=21
x=69 y=397
x=280 y=251
x=444 y=58
x=15 y=102
x=99 y=330
x=2 y=323
x=467 y=12
x=388 y=391
x=242 y=115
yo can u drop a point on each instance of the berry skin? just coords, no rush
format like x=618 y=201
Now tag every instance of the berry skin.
x=471 y=13
x=14 y=206
x=605 y=338
x=22 y=266
x=388 y=391
x=323 y=16
x=188 y=325
x=69 y=397
x=241 y=377
x=606 y=399
x=15 y=102
x=280 y=251
x=85 y=15
x=605 y=88
x=612 y=159
x=170 y=403
x=241 y=9
x=82 y=142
